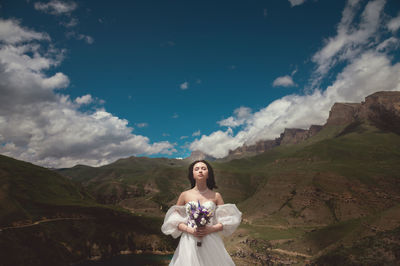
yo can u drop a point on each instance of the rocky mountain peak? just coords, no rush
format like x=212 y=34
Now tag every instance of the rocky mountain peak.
x=199 y=155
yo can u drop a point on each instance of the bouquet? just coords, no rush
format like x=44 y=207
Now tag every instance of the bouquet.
x=199 y=216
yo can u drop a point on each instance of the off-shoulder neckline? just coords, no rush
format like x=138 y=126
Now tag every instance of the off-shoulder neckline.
x=202 y=203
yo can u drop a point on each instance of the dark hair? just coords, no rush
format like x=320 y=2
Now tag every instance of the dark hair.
x=210 y=180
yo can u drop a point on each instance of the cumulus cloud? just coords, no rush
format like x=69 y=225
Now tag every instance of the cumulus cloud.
x=240 y=115
x=11 y=32
x=284 y=81
x=368 y=69
x=184 y=85
x=85 y=99
x=40 y=125
x=217 y=144
x=56 y=7
x=296 y=2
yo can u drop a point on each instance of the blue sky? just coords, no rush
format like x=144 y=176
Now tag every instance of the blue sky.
x=92 y=81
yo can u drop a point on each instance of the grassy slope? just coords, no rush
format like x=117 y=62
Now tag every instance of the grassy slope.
x=316 y=195
x=326 y=192
x=31 y=193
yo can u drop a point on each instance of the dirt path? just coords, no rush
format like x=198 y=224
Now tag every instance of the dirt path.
x=291 y=253
x=41 y=221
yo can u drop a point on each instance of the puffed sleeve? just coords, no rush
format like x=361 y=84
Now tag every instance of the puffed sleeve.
x=229 y=216
x=175 y=215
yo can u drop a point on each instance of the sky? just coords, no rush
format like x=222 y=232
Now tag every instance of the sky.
x=89 y=82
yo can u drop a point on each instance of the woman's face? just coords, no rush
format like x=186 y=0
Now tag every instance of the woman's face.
x=200 y=171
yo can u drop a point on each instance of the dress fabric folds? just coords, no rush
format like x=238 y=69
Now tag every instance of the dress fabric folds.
x=212 y=250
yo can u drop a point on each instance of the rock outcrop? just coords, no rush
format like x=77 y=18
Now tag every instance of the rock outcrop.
x=382 y=109
x=289 y=136
x=199 y=155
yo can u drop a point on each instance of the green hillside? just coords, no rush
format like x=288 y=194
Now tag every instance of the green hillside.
x=46 y=219
x=315 y=201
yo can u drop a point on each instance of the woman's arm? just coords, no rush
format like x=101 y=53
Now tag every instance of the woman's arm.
x=203 y=231
x=182 y=226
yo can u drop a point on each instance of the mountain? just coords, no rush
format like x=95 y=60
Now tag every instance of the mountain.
x=199 y=155
x=325 y=196
x=46 y=219
x=381 y=108
x=289 y=136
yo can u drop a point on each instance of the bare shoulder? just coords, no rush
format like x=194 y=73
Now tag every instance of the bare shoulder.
x=218 y=198
x=182 y=198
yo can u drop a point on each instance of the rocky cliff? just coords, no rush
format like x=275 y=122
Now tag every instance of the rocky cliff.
x=199 y=155
x=289 y=136
x=382 y=109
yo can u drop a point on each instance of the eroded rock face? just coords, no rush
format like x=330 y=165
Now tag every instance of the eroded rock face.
x=289 y=136
x=343 y=114
x=381 y=109
x=199 y=155
x=259 y=147
x=296 y=135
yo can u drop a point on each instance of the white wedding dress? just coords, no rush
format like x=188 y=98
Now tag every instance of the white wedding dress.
x=212 y=250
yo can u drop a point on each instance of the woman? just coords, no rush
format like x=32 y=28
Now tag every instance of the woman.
x=225 y=218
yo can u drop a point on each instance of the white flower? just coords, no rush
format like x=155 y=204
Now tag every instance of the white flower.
x=203 y=221
x=195 y=215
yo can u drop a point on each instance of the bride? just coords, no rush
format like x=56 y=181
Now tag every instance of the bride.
x=201 y=245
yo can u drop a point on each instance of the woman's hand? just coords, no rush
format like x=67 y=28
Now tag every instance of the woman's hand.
x=208 y=229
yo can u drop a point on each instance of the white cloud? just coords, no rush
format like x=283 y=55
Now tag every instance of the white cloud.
x=78 y=36
x=265 y=12
x=390 y=43
x=70 y=23
x=183 y=137
x=11 y=32
x=296 y=2
x=184 y=85
x=56 y=7
x=175 y=115
x=85 y=99
x=240 y=116
x=368 y=69
x=284 y=81
x=217 y=144
x=196 y=133
x=394 y=24
x=40 y=125
x=351 y=38
x=141 y=125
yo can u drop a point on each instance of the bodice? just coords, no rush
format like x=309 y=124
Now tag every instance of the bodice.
x=208 y=204
x=226 y=214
